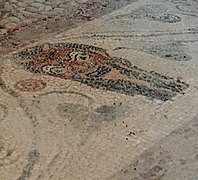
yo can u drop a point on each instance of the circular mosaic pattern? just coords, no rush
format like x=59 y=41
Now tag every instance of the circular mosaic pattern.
x=3 y=112
x=30 y=85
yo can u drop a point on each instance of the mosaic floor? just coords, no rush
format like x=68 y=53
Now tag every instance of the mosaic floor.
x=112 y=96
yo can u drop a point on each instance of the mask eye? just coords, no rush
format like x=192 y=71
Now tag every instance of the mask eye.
x=78 y=56
x=82 y=57
x=54 y=69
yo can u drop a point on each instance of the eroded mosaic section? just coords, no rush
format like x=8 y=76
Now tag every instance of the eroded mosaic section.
x=92 y=66
x=172 y=51
x=92 y=118
x=153 y=12
x=33 y=157
x=3 y=112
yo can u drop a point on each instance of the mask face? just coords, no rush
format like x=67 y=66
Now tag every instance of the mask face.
x=67 y=63
x=94 y=67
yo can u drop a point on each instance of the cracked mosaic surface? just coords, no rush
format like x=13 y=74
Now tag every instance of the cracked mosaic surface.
x=112 y=94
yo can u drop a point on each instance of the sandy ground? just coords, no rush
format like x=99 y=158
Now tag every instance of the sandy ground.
x=110 y=93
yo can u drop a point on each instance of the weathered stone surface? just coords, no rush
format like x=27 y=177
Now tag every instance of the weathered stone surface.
x=47 y=8
x=106 y=90
x=10 y=25
x=8 y=7
x=59 y=10
x=41 y=1
x=3 y=32
x=37 y=5
x=13 y=19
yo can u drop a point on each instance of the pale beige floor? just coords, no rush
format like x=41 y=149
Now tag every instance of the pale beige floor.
x=143 y=138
